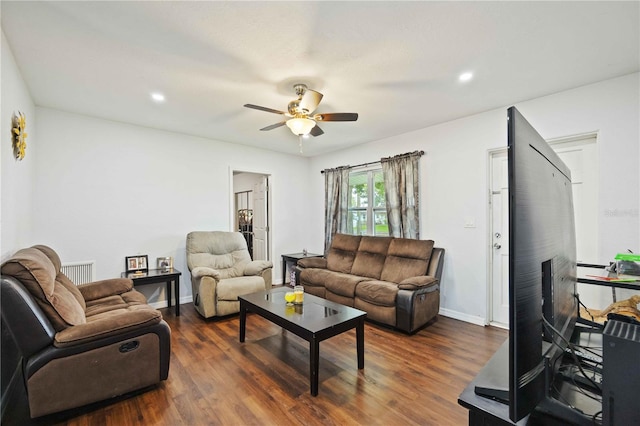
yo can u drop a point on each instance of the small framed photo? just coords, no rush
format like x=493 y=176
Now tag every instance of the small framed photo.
x=165 y=263
x=137 y=263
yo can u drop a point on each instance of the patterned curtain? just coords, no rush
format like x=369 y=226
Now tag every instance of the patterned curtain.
x=336 y=202
x=401 y=179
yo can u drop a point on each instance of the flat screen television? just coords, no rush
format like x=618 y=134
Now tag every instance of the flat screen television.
x=542 y=264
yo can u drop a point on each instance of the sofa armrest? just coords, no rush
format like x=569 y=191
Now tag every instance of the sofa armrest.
x=105 y=288
x=203 y=271
x=415 y=283
x=105 y=327
x=313 y=262
x=256 y=267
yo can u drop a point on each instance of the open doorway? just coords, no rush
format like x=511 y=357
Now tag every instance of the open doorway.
x=251 y=212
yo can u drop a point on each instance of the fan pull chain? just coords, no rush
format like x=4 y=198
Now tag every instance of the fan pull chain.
x=300 y=143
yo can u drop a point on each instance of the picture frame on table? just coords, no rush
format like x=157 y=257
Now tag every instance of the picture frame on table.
x=138 y=264
x=165 y=263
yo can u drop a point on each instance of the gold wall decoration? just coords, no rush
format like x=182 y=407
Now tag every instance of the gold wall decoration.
x=18 y=133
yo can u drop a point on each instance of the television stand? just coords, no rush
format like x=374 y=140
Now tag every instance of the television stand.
x=484 y=398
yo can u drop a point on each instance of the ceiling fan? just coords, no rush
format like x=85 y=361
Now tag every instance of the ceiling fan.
x=301 y=120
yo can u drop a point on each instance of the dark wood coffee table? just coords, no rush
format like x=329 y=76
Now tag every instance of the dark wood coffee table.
x=315 y=320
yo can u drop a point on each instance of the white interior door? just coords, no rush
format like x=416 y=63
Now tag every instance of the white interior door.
x=499 y=240
x=260 y=220
x=580 y=155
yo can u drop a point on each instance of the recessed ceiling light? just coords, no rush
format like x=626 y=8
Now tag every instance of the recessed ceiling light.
x=158 y=97
x=465 y=76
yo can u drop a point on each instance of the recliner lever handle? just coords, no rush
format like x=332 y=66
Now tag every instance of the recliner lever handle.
x=129 y=346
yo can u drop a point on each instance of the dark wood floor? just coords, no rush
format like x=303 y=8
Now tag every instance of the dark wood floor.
x=214 y=379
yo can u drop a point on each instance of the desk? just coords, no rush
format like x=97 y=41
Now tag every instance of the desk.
x=155 y=276
x=293 y=259
x=589 y=274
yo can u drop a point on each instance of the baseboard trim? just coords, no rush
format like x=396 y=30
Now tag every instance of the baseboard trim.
x=462 y=316
x=444 y=312
x=163 y=303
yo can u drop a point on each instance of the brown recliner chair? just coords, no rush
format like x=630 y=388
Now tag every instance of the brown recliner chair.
x=79 y=344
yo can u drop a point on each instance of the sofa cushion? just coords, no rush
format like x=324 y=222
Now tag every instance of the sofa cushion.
x=100 y=289
x=342 y=252
x=224 y=251
x=382 y=314
x=406 y=258
x=114 y=302
x=60 y=277
x=313 y=262
x=38 y=274
x=414 y=283
x=315 y=277
x=381 y=293
x=109 y=323
x=343 y=284
x=370 y=256
x=231 y=288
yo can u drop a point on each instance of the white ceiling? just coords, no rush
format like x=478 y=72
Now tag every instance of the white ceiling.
x=394 y=63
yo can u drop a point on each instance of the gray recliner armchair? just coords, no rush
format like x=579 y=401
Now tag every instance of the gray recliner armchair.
x=221 y=270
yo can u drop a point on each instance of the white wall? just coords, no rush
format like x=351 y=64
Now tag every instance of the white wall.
x=16 y=176
x=105 y=190
x=454 y=179
x=101 y=190
x=245 y=182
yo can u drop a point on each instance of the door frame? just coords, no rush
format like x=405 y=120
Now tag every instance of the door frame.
x=232 y=212
x=491 y=153
x=489 y=236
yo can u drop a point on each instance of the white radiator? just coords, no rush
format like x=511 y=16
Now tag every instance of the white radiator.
x=80 y=272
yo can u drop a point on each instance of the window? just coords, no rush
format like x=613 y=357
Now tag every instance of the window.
x=367 y=205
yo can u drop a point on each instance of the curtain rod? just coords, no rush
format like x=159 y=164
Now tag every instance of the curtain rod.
x=376 y=162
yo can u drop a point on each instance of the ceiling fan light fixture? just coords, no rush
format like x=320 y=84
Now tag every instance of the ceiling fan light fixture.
x=300 y=126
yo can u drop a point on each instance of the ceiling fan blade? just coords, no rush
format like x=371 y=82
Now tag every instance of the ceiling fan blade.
x=310 y=100
x=261 y=108
x=316 y=131
x=274 y=126
x=336 y=116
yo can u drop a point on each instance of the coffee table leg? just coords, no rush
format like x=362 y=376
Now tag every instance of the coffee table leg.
x=360 y=344
x=243 y=321
x=314 y=354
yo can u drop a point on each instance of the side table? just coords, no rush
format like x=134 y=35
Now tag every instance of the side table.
x=293 y=259
x=154 y=276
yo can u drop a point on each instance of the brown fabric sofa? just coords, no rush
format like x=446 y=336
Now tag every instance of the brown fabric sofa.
x=395 y=280
x=79 y=344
